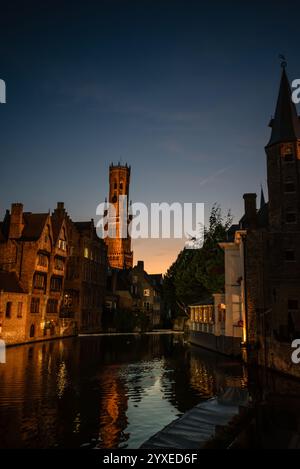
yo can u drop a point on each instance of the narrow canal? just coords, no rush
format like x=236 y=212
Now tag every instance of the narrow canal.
x=106 y=391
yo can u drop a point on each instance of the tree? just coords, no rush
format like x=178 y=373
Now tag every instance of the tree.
x=197 y=273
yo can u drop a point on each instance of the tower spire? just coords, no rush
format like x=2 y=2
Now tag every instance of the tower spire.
x=286 y=124
x=262 y=197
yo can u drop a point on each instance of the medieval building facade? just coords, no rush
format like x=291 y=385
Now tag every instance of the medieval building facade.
x=147 y=293
x=34 y=256
x=268 y=240
x=52 y=276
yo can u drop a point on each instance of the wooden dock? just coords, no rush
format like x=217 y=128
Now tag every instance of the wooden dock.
x=197 y=426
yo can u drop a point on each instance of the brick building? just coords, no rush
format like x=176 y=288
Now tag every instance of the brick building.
x=147 y=293
x=52 y=276
x=36 y=256
x=86 y=278
x=13 y=309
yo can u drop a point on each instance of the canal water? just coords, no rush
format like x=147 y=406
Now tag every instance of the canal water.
x=105 y=391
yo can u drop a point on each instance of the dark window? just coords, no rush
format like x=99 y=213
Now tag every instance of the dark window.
x=290 y=255
x=39 y=281
x=8 y=309
x=56 y=283
x=35 y=305
x=20 y=310
x=42 y=260
x=290 y=217
x=114 y=199
x=59 y=263
x=52 y=306
x=293 y=304
x=288 y=157
x=289 y=187
x=32 y=330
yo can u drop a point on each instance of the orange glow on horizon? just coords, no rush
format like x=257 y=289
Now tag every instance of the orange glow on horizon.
x=157 y=254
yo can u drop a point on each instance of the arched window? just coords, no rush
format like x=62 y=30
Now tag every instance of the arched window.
x=32 y=330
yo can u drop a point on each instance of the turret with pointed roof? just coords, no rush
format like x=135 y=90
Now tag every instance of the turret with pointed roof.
x=262 y=198
x=283 y=162
x=285 y=124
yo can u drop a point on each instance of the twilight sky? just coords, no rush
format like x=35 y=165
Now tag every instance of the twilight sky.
x=181 y=90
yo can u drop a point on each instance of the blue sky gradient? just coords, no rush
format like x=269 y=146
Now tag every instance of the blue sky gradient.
x=181 y=90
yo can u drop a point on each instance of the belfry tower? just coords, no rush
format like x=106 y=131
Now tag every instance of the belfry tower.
x=119 y=252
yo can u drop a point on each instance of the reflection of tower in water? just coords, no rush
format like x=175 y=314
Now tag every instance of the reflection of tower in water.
x=113 y=407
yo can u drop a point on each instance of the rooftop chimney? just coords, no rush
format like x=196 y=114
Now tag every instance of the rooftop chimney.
x=250 y=210
x=60 y=206
x=140 y=265
x=16 y=221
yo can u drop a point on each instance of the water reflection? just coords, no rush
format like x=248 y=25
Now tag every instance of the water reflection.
x=108 y=392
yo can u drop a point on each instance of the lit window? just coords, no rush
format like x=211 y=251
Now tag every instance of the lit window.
x=62 y=244
x=86 y=253
x=147 y=292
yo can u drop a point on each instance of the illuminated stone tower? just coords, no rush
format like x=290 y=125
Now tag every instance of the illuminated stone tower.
x=120 y=255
